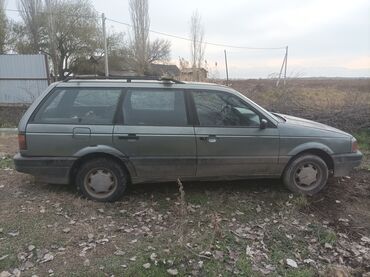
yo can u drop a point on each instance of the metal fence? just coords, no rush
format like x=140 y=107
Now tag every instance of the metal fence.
x=22 y=78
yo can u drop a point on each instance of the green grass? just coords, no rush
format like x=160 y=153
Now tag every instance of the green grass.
x=9 y=262
x=323 y=235
x=244 y=266
x=301 y=202
x=301 y=272
x=7 y=125
x=31 y=230
x=363 y=139
x=197 y=198
x=6 y=162
x=112 y=265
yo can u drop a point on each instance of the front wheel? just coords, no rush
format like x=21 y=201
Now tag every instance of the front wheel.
x=307 y=174
x=102 y=180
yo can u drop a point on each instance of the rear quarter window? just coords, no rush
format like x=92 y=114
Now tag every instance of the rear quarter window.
x=79 y=106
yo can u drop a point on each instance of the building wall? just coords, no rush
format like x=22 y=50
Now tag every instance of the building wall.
x=22 y=78
x=189 y=75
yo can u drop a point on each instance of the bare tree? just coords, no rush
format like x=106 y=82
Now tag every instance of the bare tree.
x=3 y=27
x=73 y=31
x=159 y=50
x=142 y=51
x=139 y=11
x=31 y=12
x=197 y=43
x=184 y=64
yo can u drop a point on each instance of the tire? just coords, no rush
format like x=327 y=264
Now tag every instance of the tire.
x=307 y=174
x=102 y=180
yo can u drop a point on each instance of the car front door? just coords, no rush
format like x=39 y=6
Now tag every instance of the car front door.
x=229 y=137
x=155 y=133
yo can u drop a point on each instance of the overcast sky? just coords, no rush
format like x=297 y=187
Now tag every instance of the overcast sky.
x=325 y=37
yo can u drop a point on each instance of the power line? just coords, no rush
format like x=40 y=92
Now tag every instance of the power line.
x=48 y=13
x=165 y=34
x=208 y=43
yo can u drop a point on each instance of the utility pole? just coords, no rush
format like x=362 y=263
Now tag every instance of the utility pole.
x=227 y=69
x=106 y=69
x=283 y=66
x=286 y=64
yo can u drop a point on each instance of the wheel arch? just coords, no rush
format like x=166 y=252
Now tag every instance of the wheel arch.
x=123 y=161
x=324 y=155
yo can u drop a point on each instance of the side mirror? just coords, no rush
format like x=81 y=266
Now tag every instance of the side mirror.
x=263 y=123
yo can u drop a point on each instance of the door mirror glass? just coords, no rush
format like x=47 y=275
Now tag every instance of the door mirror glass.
x=263 y=124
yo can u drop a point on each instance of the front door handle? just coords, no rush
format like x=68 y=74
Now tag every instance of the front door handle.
x=129 y=137
x=209 y=138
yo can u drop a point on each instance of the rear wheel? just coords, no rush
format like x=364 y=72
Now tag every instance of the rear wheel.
x=102 y=180
x=307 y=174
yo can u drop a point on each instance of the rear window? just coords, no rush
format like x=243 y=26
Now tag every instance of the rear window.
x=154 y=107
x=79 y=106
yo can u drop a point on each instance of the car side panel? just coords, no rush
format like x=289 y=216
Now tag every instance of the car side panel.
x=64 y=140
x=158 y=151
x=237 y=152
x=295 y=139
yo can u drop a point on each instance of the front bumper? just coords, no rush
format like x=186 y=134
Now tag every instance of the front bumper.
x=344 y=163
x=55 y=170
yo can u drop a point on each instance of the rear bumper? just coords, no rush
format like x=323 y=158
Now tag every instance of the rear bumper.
x=344 y=163
x=49 y=170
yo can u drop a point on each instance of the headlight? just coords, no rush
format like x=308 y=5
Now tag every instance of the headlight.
x=354 y=146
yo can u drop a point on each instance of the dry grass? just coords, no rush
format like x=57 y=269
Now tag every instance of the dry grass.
x=233 y=229
x=342 y=103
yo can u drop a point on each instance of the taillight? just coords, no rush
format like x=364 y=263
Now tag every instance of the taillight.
x=22 y=142
x=354 y=145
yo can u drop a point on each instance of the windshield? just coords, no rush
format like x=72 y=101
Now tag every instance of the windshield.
x=274 y=116
x=280 y=117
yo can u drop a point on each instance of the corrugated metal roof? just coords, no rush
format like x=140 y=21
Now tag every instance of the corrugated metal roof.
x=22 y=66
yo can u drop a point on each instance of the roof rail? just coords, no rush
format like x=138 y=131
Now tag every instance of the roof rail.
x=127 y=78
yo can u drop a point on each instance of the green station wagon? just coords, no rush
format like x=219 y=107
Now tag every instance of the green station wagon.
x=104 y=134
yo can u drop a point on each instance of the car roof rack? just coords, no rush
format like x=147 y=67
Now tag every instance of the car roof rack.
x=127 y=78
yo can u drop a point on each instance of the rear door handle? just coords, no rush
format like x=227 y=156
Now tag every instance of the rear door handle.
x=209 y=138
x=129 y=137
x=81 y=133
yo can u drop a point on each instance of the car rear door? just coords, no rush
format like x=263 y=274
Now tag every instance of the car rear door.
x=155 y=133
x=229 y=139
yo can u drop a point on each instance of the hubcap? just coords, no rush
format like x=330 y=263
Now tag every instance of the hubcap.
x=100 y=182
x=306 y=175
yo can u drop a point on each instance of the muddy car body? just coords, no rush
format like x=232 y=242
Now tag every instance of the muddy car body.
x=104 y=134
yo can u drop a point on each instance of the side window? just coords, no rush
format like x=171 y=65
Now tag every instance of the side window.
x=102 y=98
x=79 y=106
x=222 y=109
x=154 y=107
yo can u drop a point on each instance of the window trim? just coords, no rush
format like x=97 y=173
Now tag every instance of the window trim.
x=197 y=122
x=31 y=119
x=120 y=117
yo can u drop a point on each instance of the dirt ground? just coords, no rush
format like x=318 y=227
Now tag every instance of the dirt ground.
x=244 y=228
